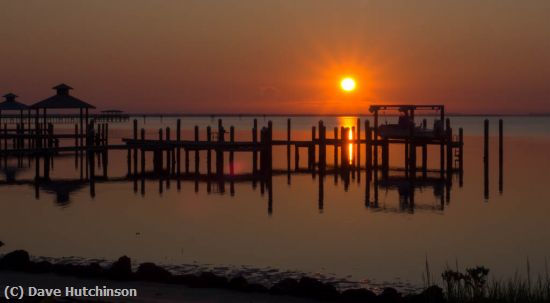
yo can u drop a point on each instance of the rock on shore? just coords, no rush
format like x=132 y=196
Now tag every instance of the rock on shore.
x=306 y=287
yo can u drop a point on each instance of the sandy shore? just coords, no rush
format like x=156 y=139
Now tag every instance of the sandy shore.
x=147 y=291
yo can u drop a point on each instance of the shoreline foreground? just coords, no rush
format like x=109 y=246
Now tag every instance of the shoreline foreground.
x=156 y=284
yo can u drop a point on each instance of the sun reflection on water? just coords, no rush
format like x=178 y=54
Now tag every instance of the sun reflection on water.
x=350 y=124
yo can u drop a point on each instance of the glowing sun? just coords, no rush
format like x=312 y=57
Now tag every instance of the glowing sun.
x=348 y=84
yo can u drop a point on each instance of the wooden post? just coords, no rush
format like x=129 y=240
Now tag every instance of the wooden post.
x=135 y=147
x=91 y=162
x=461 y=149
x=47 y=153
x=386 y=155
x=54 y=143
x=160 y=160
x=97 y=142
x=45 y=127
x=296 y=158
x=38 y=150
x=288 y=140
x=142 y=154
x=343 y=155
x=424 y=160
x=358 y=161
x=263 y=152
x=270 y=147
x=231 y=153
x=375 y=139
x=486 y=159
x=187 y=160
x=412 y=155
x=128 y=155
x=105 y=149
x=358 y=147
x=322 y=146
x=407 y=154
x=368 y=145
x=461 y=156
x=178 y=148
x=76 y=145
x=1 y=147
x=81 y=142
x=209 y=150
x=219 y=150
x=500 y=155
x=5 y=136
x=351 y=150
x=335 y=148
x=449 y=139
x=345 y=159
x=169 y=163
x=197 y=159
x=255 y=141
x=442 y=146
x=311 y=150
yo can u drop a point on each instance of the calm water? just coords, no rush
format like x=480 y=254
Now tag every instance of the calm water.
x=348 y=235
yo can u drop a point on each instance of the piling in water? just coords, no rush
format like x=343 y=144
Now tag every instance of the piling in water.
x=500 y=156
x=486 y=159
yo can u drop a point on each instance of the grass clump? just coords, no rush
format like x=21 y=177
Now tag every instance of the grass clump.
x=473 y=285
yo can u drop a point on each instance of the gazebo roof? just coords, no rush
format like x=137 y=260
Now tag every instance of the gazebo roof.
x=11 y=104
x=62 y=99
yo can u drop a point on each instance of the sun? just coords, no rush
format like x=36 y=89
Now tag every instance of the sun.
x=348 y=84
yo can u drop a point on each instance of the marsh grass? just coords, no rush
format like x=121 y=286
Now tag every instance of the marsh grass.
x=473 y=285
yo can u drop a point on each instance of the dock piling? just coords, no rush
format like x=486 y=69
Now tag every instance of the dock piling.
x=486 y=159
x=197 y=156
x=231 y=152
x=135 y=147
x=288 y=140
x=209 y=151
x=335 y=148
x=358 y=147
x=368 y=146
x=178 y=149
x=255 y=142
x=500 y=156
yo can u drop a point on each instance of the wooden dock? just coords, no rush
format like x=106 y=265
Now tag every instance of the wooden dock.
x=348 y=144
x=28 y=118
x=172 y=155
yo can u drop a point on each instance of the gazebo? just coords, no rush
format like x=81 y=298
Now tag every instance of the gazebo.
x=10 y=104
x=63 y=100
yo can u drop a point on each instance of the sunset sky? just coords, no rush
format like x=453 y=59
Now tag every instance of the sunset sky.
x=277 y=56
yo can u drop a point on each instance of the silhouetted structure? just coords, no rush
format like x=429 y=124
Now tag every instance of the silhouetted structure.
x=112 y=115
x=10 y=104
x=62 y=100
x=412 y=136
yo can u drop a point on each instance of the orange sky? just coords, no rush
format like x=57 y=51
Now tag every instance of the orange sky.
x=276 y=56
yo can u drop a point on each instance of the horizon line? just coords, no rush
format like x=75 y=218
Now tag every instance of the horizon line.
x=222 y=114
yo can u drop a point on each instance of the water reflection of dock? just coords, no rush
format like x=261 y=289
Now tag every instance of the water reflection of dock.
x=225 y=184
